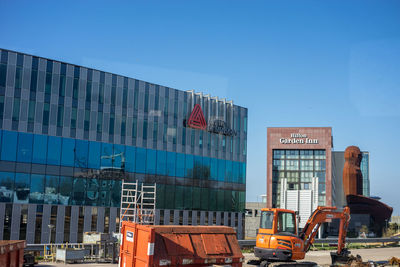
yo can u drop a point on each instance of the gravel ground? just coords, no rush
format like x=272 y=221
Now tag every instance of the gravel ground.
x=320 y=257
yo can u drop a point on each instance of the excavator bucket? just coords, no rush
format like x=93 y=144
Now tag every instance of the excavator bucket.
x=342 y=258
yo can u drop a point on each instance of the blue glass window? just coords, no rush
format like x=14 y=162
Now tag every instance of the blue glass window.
x=81 y=153
x=37 y=189
x=78 y=191
x=39 y=149
x=161 y=162
x=151 y=161
x=171 y=163
x=140 y=165
x=228 y=171
x=51 y=189
x=198 y=168
x=106 y=155
x=214 y=169
x=25 y=144
x=130 y=158
x=6 y=186
x=221 y=170
x=66 y=188
x=22 y=188
x=9 y=145
x=235 y=171
x=54 y=150
x=206 y=168
x=119 y=157
x=104 y=193
x=242 y=173
x=68 y=149
x=115 y=193
x=189 y=166
x=92 y=192
x=94 y=155
x=180 y=165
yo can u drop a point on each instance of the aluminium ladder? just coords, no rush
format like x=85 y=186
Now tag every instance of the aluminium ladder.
x=138 y=202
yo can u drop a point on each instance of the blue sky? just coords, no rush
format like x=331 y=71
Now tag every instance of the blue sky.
x=291 y=63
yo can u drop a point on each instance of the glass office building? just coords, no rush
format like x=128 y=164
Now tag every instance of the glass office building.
x=70 y=134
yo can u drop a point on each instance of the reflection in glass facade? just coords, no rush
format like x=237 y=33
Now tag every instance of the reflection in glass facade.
x=364 y=166
x=69 y=135
x=299 y=167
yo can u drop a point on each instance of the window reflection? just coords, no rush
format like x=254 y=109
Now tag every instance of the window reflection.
x=92 y=192
x=37 y=188
x=81 y=153
x=51 y=189
x=22 y=188
x=66 y=188
x=6 y=186
x=68 y=152
x=78 y=191
x=24 y=150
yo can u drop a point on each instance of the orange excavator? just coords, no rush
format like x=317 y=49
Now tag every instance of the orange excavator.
x=278 y=239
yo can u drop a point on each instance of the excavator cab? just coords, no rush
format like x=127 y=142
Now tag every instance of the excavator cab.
x=277 y=238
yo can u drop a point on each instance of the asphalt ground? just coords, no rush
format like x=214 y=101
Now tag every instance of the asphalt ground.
x=322 y=258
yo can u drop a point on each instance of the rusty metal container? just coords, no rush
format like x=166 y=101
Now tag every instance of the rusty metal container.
x=12 y=253
x=171 y=245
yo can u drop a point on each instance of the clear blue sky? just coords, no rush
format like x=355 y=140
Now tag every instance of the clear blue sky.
x=291 y=63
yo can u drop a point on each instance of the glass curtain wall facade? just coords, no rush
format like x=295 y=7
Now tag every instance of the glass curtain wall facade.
x=299 y=167
x=70 y=134
x=364 y=166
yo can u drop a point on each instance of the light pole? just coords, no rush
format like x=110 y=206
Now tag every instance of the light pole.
x=51 y=226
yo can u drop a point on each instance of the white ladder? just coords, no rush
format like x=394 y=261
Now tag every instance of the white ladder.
x=138 y=202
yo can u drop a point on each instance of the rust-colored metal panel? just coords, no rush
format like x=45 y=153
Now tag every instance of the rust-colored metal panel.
x=155 y=245
x=12 y=253
x=215 y=244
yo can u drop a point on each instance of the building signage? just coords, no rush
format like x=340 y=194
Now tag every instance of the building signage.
x=296 y=138
x=196 y=120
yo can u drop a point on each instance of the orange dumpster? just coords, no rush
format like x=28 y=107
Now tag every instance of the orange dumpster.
x=171 y=245
x=12 y=253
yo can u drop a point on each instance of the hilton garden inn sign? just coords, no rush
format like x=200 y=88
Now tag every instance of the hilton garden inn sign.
x=296 y=138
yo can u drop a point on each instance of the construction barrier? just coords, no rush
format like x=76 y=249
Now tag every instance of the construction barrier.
x=12 y=253
x=169 y=245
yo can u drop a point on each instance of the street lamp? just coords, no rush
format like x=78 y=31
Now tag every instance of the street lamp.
x=51 y=226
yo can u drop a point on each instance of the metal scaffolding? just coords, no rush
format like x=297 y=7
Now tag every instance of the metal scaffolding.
x=138 y=202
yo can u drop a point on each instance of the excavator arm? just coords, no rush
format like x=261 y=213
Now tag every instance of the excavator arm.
x=321 y=215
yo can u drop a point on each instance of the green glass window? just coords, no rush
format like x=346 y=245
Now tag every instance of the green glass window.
x=18 y=78
x=46 y=113
x=179 y=190
x=3 y=74
x=189 y=166
x=170 y=197
x=212 y=201
x=188 y=198
x=60 y=116
x=31 y=111
x=204 y=198
x=196 y=196
x=16 y=107
x=47 y=88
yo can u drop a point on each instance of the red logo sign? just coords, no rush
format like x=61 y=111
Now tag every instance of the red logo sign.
x=196 y=119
